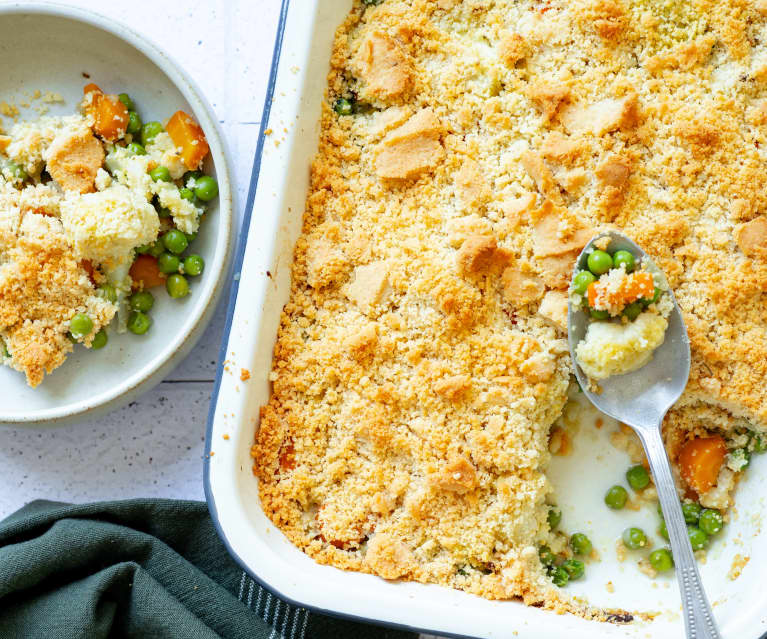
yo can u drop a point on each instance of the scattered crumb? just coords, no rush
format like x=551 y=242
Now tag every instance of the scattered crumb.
x=738 y=564
x=610 y=587
x=9 y=110
x=226 y=436
x=244 y=375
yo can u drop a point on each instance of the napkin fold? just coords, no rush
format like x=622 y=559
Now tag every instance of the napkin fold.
x=140 y=568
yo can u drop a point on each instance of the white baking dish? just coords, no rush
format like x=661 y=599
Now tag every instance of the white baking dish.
x=272 y=223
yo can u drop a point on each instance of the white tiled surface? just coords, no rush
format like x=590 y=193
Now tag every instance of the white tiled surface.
x=154 y=446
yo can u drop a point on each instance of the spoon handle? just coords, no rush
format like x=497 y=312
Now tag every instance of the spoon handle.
x=698 y=618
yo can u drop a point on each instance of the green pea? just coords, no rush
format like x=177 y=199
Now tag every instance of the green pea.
x=581 y=282
x=710 y=521
x=139 y=323
x=560 y=576
x=599 y=315
x=342 y=106
x=191 y=237
x=575 y=568
x=661 y=560
x=175 y=241
x=698 y=539
x=546 y=557
x=625 y=259
x=125 y=99
x=168 y=263
x=134 y=122
x=194 y=265
x=580 y=544
x=554 y=516
x=633 y=310
x=149 y=131
x=141 y=301
x=100 y=340
x=177 y=286
x=616 y=497
x=634 y=538
x=740 y=458
x=186 y=194
x=80 y=325
x=691 y=512
x=190 y=178
x=646 y=301
x=17 y=171
x=134 y=148
x=164 y=213
x=160 y=173
x=107 y=292
x=638 y=477
x=156 y=248
x=663 y=530
x=206 y=188
x=599 y=262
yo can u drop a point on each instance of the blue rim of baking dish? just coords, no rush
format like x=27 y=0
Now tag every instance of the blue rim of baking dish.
x=222 y=357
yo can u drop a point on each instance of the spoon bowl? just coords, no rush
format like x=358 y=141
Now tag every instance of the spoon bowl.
x=641 y=399
x=642 y=396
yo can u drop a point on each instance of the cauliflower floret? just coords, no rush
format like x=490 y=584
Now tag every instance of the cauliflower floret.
x=130 y=170
x=612 y=349
x=107 y=225
x=133 y=171
x=164 y=153
x=185 y=214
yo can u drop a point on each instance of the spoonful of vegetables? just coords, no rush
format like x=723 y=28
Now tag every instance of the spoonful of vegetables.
x=631 y=356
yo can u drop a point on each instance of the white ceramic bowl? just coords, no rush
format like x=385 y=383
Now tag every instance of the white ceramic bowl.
x=52 y=48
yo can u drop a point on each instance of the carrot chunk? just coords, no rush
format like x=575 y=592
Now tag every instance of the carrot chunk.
x=634 y=287
x=700 y=461
x=637 y=286
x=110 y=116
x=145 y=273
x=189 y=137
x=87 y=266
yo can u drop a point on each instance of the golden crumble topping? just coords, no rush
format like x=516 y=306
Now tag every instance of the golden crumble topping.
x=421 y=359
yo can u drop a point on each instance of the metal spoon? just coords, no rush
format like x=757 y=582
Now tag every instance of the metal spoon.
x=641 y=400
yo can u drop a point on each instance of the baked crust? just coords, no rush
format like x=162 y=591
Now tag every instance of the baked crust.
x=407 y=430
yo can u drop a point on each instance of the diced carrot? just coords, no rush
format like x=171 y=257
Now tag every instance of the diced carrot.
x=87 y=266
x=189 y=137
x=110 y=116
x=592 y=291
x=145 y=273
x=634 y=287
x=700 y=461
x=637 y=286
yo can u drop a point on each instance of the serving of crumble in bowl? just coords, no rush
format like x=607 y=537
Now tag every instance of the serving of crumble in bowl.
x=116 y=214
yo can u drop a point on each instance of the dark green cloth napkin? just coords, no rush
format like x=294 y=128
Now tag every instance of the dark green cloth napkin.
x=140 y=568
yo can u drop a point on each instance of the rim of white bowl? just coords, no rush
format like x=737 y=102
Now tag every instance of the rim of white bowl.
x=209 y=294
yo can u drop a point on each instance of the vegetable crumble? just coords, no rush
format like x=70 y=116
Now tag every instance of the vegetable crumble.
x=468 y=151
